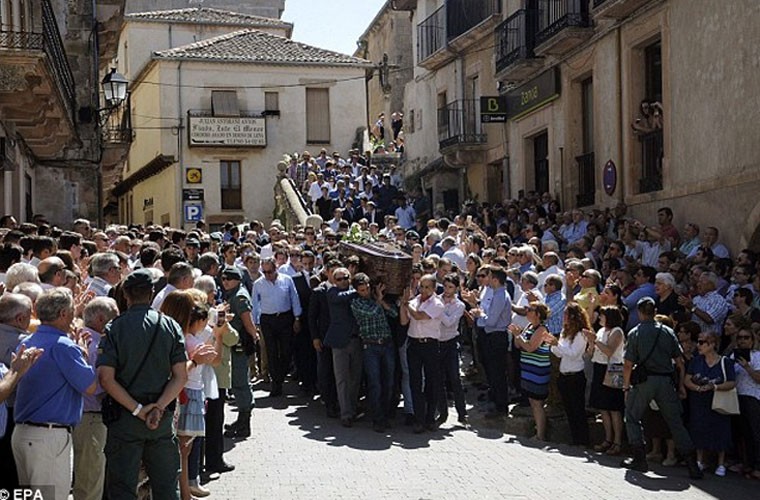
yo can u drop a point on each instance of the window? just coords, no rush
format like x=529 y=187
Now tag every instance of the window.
x=586 y=175
x=232 y=198
x=653 y=71
x=411 y=121
x=272 y=103
x=652 y=144
x=224 y=103
x=317 y=116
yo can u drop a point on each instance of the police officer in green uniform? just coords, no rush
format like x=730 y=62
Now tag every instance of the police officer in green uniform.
x=127 y=341
x=240 y=305
x=655 y=347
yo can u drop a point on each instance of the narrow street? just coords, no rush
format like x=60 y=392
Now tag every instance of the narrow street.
x=296 y=452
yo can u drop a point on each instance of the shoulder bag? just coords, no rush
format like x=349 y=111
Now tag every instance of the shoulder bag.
x=112 y=409
x=639 y=373
x=725 y=402
x=613 y=377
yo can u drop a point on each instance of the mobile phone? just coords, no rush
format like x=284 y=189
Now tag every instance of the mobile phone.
x=213 y=317
x=742 y=354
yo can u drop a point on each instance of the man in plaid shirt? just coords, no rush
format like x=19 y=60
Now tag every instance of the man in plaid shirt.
x=379 y=356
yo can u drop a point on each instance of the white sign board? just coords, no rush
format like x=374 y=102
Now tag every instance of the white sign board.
x=227 y=131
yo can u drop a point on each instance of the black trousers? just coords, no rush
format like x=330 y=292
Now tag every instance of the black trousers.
x=494 y=350
x=8 y=472
x=449 y=353
x=572 y=389
x=278 y=337
x=326 y=378
x=305 y=358
x=424 y=379
x=215 y=429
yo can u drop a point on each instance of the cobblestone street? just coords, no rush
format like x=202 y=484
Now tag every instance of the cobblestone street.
x=296 y=452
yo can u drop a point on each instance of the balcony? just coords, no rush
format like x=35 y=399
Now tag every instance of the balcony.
x=459 y=127
x=652 y=153
x=586 y=180
x=562 y=26
x=404 y=4
x=515 y=59
x=470 y=21
x=616 y=9
x=37 y=90
x=453 y=27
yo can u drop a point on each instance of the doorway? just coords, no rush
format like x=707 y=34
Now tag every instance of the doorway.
x=541 y=162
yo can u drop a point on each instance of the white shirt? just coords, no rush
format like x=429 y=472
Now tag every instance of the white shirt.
x=426 y=328
x=745 y=386
x=158 y=300
x=456 y=255
x=603 y=336
x=570 y=353
x=452 y=313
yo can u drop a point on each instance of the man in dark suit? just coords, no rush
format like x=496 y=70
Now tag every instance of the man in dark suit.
x=319 y=321
x=303 y=352
x=372 y=214
x=343 y=337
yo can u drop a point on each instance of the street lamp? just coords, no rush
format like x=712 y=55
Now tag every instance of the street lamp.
x=114 y=88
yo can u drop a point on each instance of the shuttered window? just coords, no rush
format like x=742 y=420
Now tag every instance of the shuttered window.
x=224 y=103
x=272 y=103
x=317 y=116
x=232 y=196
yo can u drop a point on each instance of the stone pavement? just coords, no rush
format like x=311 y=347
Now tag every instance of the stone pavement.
x=296 y=452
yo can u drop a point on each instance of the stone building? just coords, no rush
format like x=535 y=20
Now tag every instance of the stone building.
x=387 y=42
x=213 y=118
x=575 y=74
x=451 y=155
x=265 y=8
x=52 y=54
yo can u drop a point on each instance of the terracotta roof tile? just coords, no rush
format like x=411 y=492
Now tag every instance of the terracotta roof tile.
x=254 y=46
x=206 y=15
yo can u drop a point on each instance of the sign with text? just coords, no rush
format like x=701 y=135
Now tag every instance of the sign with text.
x=227 y=131
x=192 y=195
x=493 y=109
x=533 y=94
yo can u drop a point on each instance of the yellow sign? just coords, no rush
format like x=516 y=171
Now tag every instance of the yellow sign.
x=193 y=175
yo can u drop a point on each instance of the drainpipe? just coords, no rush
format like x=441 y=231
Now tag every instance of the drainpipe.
x=180 y=212
x=621 y=177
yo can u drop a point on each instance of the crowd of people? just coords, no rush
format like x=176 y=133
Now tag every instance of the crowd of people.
x=121 y=347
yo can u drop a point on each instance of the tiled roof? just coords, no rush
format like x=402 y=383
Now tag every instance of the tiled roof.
x=254 y=46
x=205 y=15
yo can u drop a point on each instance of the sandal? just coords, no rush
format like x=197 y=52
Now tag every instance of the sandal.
x=613 y=450
x=603 y=447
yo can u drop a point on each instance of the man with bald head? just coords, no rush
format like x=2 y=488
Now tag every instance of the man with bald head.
x=52 y=272
x=15 y=315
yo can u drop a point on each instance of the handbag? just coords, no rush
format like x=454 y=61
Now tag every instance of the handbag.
x=725 y=402
x=613 y=377
x=110 y=408
x=639 y=373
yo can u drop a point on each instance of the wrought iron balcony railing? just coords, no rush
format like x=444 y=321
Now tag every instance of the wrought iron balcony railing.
x=463 y=15
x=459 y=123
x=431 y=34
x=514 y=38
x=652 y=153
x=556 y=15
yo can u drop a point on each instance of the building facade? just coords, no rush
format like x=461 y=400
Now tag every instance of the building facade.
x=213 y=118
x=51 y=56
x=451 y=155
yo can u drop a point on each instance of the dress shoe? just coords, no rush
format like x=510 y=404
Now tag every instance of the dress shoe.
x=220 y=468
x=638 y=461
x=431 y=426
x=441 y=420
x=199 y=491
x=346 y=422
x=464 y=421
x=418 y=428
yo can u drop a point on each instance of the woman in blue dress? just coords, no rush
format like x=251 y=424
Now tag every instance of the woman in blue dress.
x=708 y=372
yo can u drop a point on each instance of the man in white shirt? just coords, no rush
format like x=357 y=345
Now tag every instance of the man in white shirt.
x=423 y=315
x=452 y=252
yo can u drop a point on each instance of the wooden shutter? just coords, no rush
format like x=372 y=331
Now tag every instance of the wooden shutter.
x=318 y=116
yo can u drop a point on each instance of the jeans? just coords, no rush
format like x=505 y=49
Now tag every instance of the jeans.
x=241 y=381
x=572 y=390
x=347 y=363
x=379 y=367
x=661 y=390
x=424 y=379
x=406 y=390
x=494 y=348
x=449 y=353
